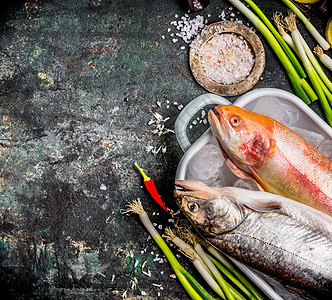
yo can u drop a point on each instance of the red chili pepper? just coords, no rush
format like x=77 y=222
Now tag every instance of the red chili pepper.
x=151 y=188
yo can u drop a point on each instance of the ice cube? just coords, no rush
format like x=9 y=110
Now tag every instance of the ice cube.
x=311 y=137
x=247 y=184
x=272 y=107
x=225 y=177
x=205 y=164
x=326 y=149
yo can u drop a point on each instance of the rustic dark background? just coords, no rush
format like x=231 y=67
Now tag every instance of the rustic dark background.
x=79 y=81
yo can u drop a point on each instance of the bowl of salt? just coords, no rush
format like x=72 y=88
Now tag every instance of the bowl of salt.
x=227 y=58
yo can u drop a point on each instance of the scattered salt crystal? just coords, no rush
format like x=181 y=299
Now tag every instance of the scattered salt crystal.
x=158 y=294
x=176 y=15
x=190 y=126
x=204 y=121
x=143 y=293
x=230 y=8
x=180 y=106
x=171 y=220
x=172 y=276
x=154 y=224
x=232 y=15
x=183 y=47
x=103 y=187
x=160 y=227
x=152 y=252
x=169 y=30
x=161 y=272
x=163 y=37
x=175 y=103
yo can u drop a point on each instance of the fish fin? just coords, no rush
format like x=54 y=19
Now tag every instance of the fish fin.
x=261 y=205
x=259 y=182
x=242 y=174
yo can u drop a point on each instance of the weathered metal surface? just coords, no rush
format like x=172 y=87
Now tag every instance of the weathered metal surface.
x=79 y=81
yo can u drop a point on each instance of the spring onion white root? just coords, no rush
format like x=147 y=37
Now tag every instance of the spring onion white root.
x=316 y=35
x=197 y=261
x=324 y=58
x=193 y=288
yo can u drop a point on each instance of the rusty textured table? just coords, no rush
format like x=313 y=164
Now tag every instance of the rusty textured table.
x=79 y=81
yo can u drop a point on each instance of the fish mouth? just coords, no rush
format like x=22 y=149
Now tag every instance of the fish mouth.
x=193 y=189
x=218 y=123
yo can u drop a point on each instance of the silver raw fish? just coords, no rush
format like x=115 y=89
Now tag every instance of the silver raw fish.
x=280 y=237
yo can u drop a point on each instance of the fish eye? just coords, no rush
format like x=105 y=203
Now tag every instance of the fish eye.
x=235 y=121
x=193 y=207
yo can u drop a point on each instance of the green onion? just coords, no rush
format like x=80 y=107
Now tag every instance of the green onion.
x=314 y=77
x=276 y=34
x=316 y=65
x=202 y=269
x=291 y=71
x=324 y=58
x=316 y=35
x=237 y=282
x=220 y=257
x=199 y=264
x=193 y=288
x=198 y=248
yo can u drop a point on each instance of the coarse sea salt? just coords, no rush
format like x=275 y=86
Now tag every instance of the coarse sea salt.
x=226 y=58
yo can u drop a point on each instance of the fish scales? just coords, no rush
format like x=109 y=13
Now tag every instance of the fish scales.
x=304 y=165
x=292 y=260
x=291 y=242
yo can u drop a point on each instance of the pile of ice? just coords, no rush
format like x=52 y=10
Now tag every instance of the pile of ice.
x=208 y=166
x=272 y=107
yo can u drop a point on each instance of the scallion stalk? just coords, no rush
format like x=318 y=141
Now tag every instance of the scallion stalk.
x=316 y=35
x=311 y=71
x=193 y=288
x=202 y=269
x=199 y=264
x=198 y=248
x=324 y=58
x=276 y=34
x=316 y=65
x=234 y=270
